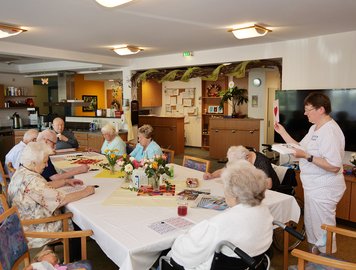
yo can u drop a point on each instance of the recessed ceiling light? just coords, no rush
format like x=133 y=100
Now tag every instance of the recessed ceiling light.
x=8 y=30
x=250 y=31
x=112 y=3
x=127 y=50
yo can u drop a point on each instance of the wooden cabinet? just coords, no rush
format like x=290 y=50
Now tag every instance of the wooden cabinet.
x=168 y=131
x=346 y=208
x=18 y=135
x=149 y=94
x=95 y=140
x=226 y=132
x=82 y=138
x=210 y=104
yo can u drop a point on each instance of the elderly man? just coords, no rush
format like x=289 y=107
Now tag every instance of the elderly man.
x=15 y=153
x=65 y=138
x=50 y=173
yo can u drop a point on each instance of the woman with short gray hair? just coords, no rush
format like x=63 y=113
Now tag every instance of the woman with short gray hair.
x=259 y=160
x=112 y=141
x=147 y=147
x=247 y=223
x=35 y=197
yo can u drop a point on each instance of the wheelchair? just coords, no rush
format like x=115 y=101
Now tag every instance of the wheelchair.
x=223 y=262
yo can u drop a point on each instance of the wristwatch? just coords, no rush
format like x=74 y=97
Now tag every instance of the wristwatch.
x=310 y=159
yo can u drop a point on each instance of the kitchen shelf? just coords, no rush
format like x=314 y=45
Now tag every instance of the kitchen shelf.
x=63 y=104
x=11 y=97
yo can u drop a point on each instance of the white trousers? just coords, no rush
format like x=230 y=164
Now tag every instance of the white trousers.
x=320 y=208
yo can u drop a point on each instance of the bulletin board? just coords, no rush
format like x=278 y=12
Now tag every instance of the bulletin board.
x=180 y=101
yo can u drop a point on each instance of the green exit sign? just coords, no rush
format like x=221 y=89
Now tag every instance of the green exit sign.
x=187 y=53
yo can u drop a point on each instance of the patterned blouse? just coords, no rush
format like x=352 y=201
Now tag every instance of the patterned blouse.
x=34 y=198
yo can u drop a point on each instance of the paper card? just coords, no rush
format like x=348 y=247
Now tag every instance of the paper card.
x=174 y=100
x=276 y=111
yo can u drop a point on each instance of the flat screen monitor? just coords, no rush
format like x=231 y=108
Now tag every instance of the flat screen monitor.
x=343 y=107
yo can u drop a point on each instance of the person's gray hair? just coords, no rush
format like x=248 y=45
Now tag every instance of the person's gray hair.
x=244 y=182
x=30 y=135
x=237 y=153
x=108 y=129
x=34 y=154
x=146 y=131
x=47 y=134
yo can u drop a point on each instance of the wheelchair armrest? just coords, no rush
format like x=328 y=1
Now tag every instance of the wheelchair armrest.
x=243 y=255
x=289 y=229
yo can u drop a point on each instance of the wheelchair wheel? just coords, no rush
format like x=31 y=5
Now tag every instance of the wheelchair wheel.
x=293 y=242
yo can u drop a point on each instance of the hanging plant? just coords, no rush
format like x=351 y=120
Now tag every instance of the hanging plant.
x=187 y=75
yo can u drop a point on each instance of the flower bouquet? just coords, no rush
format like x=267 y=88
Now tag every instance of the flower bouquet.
x=128 y=164
x=156 y=167
x=112 y=157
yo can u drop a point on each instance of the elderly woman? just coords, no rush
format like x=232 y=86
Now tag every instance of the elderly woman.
x=35 y=197
x=112 y=140
x=259 y=160
x=247 y=223
x=147 y=147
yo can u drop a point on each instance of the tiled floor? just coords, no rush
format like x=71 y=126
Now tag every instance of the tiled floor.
x=346 y=246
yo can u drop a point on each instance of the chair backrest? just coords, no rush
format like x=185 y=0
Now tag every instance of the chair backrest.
x=3 y=179
x=13 y=243
x=199 y=164
x=326 y=260
x=130 y=147
x=169 y=153
x=3 y=204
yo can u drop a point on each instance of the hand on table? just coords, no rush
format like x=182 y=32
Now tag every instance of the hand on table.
x=207 y=176
x=73 y=182
x=82 y=168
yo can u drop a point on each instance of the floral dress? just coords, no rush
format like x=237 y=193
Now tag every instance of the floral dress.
x=34 y=198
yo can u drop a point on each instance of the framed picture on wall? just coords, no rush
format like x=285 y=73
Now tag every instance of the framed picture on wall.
x=93 y=100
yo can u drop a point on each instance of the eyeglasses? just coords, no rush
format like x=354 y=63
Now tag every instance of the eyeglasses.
x=308 y=110
x=51 y=141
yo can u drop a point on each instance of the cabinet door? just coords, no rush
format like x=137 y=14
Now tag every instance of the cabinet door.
x=166 y=137
x=82 y=139
x=95 y=141
x=218 y=143
x=343 y=207
x=246 y=138
x=2 y=97
x=150 y=94
x=353 y=203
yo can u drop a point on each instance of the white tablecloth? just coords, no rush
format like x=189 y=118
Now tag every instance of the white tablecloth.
x=122 y=232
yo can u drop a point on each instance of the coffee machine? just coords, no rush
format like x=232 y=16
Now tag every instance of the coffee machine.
x=33 y=115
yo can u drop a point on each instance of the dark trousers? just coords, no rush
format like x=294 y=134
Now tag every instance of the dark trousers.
x=75 y=248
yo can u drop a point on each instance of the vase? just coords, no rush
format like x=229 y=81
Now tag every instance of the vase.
x=234 y=113
x=155 y=182
x=128 y=177
x=112 y=169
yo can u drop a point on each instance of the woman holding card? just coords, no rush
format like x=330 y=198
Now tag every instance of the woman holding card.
x=321 y=168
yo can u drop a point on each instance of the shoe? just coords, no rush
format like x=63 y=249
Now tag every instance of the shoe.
x=315 y=250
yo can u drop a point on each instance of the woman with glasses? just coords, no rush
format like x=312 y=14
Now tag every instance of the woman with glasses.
x=321 y=168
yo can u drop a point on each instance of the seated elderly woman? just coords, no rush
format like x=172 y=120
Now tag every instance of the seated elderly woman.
x=247 y=223
x=112 y=140
x=259 y=160
x=35 y=197
x=147 y=147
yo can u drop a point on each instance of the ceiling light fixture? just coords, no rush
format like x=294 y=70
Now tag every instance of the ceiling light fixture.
x=127 y=50
x=8 y=30
x=112 y=3
x=250 y=31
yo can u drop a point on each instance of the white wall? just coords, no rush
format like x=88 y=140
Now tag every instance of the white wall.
x=319 y=62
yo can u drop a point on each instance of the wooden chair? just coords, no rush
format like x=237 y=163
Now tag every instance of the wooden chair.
x=4 y=179
x=10 y=168
x=169 y=153
x=199 y=164
x=62 y=236
x=304 y=256
x=130 y=146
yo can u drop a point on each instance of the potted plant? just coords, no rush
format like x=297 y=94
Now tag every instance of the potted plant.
x=237 y=96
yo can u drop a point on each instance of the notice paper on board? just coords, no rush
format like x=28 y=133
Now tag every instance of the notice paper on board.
x=276 y=111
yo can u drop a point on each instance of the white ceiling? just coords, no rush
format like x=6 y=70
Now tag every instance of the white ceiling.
x=81 y=32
